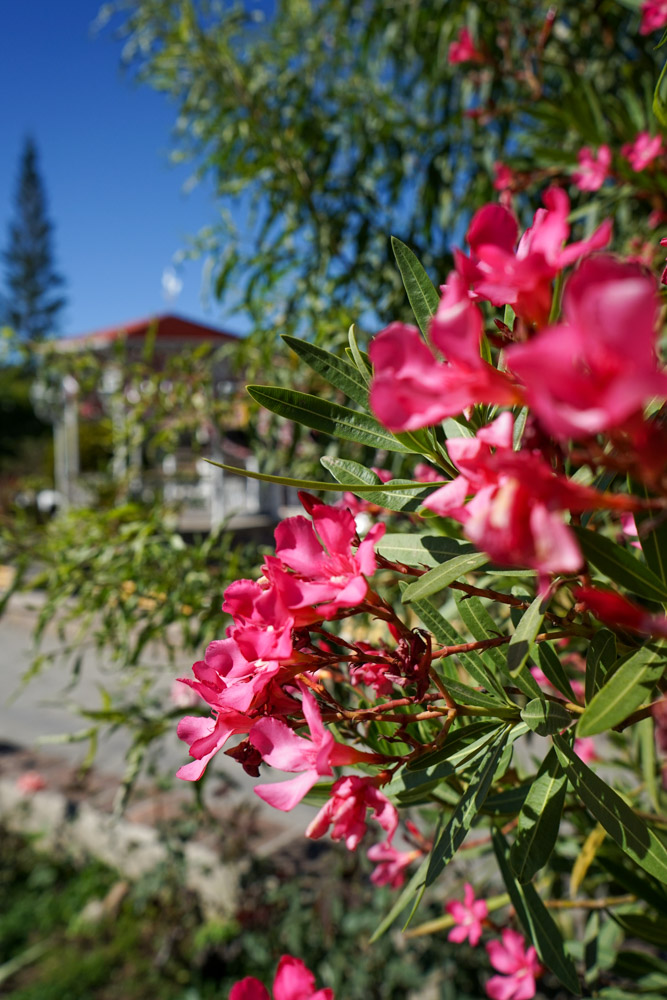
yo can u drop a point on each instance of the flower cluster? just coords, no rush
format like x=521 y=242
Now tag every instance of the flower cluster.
x=544 y=410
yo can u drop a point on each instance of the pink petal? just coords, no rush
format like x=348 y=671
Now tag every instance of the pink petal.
x=249 y=989
x=280 y=746
x=293 y=980
x=284 y=795
x=297 y=545
x=336 y=528
x=492 y=225
x=500 y=988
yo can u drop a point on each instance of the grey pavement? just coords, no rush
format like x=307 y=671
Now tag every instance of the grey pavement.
x=32 y=712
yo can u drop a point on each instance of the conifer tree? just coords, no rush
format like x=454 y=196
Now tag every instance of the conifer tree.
x=34 y=299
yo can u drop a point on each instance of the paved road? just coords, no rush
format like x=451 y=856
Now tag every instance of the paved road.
x=45 y=707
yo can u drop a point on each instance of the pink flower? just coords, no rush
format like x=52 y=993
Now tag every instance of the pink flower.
x=523 y=278
x=503 y=176
x=346 y=812
x=424 y=473
x=314 y=758
x=206 y=736
x=593 y=169
x=584 y=747
x=654 y=16
x=293 y=982
x=325 y=572
x=643 y=150
x=513 y=514
x=30 y=782
x=463 y=49
x=411 y=389
x=390 y=864
x=629 y=529
x=587 y=375
x=468 y=917
x=519 y=967
x=615 y=610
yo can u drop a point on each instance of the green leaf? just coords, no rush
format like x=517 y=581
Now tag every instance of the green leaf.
x=367 y=490
x=660 y=98
x=539 y=819
x=631 y=832
x=456 y=830
x=630 y=684
x=460 y=739
x=440 y=577
x=600 y=658
x=337 y=372
x=399 y=494
x=524 y=637
x=546 y=717
x=481 y=626
x=421 y=292
x=537 y=922
x=617 y=563
x=330 y=418
x=447 y=635
x=508 y=802
x=412 y=786
x=639 y=925
x=421 y=550
x=413 y=887
x=465 y=695
x=550 y=665
x=652 y=528
x=361 y=360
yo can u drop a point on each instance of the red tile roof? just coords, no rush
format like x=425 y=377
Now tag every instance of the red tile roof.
x=168 y=326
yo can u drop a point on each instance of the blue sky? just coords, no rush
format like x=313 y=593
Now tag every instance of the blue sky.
x=117 y=204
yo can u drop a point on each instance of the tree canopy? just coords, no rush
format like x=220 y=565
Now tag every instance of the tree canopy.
x=328 y=126
x=34 y=299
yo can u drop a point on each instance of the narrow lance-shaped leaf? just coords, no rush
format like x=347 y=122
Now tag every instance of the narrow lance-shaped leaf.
x=629 y=685
x=630 y=831
x=398 y=495
x=652 y=528
x=335 y=370
x=600 y=658
x=440 y=577
x=421 y=550
x=524 y=637
x=367 y=490
x=456 y=830
x=621 y=567
x=361 y=359
x=539 y=819
x=421 y=292
x=546 y=717
x=550 y=665
x=330 y=418
x=537 y=922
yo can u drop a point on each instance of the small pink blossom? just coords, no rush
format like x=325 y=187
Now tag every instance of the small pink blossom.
x=654 y=16
x=516 y=498
x=519 y=967
x=503 y=176
x=324 y=571
x=293 y=981
x=586 y=375
x=412 y=389
x=30 y=782
x=593 y=168
x=424 y=473
x=629 y=529
x=617 y=611
x=390 y=864
x=584 y=747
x=522 y=275
x=346 y=809
x=468 y=916
x=314 y=758
x=642 y=151
x=463 y=49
